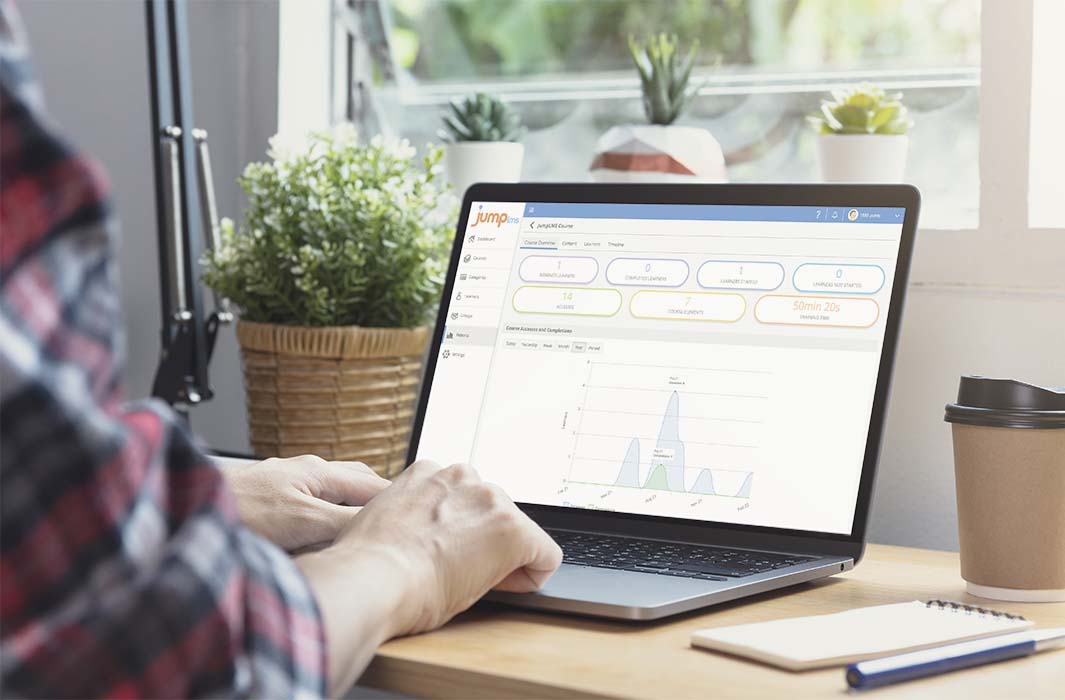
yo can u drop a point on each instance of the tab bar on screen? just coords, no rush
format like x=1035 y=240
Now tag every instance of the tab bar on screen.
x=715 y=212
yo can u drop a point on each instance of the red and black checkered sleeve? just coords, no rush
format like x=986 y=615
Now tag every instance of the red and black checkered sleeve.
x=124 y=570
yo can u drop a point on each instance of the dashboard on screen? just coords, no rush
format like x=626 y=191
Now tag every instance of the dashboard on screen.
x=705 y=362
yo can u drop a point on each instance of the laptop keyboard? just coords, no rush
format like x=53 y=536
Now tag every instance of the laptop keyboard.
x=667 y=558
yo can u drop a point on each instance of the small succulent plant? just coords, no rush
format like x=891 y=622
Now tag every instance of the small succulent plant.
x=664 y=75
x=481 y=117
x=864 y=109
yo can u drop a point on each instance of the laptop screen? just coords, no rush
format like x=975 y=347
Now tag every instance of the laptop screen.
x=706 y=362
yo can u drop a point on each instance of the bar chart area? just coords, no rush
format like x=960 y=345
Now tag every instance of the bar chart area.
x=696 y=431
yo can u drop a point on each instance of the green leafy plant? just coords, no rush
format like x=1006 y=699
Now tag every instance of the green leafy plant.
x=337 y=232
x=664 y=75
x=863 y=109
x=481 y=117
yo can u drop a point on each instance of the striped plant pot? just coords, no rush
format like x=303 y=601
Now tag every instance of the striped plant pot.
x=344 y=392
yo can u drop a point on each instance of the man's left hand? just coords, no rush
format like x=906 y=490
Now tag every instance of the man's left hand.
x=302 y=501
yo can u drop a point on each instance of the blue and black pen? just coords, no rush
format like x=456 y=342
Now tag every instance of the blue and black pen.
x=952 y=657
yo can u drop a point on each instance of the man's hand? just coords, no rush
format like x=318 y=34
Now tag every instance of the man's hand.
x=423 y=550
x=300 y=501
x=453 y=537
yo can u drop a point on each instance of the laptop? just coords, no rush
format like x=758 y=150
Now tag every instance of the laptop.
x=684 y=385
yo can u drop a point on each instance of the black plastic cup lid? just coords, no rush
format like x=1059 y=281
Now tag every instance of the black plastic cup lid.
x=1007 y=403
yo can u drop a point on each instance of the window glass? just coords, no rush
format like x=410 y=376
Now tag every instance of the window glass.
x=763 y=66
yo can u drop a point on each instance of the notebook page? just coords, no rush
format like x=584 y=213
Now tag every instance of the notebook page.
x=863 y=633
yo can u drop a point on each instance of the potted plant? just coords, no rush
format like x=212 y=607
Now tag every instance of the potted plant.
x=482 y=133
x=862 y=135
x=660 y=151
x=335 y=272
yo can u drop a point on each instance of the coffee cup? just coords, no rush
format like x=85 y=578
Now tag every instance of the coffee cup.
x=1009 y=472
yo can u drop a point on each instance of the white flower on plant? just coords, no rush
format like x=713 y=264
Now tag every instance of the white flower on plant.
x=345 y=133
x=285 y=147
x=226 y=227
x=404 y=150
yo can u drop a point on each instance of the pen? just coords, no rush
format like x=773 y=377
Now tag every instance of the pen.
x=952 y=657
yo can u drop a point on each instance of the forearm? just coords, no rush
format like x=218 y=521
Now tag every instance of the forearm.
x=360 y=594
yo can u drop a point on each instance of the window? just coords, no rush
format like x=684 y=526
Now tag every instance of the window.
x=763 y=66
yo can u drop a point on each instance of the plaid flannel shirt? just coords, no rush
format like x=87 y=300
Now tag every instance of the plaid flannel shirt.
x=125 y=570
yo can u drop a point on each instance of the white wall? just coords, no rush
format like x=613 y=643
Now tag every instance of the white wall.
x=947 y=333
x=91 y=56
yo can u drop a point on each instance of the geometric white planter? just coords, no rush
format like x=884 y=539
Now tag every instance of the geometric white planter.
x=862 y=157
x=657 y=153
x=468 y=162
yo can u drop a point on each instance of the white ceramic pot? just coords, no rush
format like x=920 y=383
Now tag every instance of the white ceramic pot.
x=655 y=153
x=863 y=157
x=468 y=162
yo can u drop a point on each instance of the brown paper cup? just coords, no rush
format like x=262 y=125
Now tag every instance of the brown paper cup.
x=1009 y=471
x=1011 y=511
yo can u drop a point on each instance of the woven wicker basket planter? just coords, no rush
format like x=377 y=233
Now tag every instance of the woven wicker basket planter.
x=340 y=393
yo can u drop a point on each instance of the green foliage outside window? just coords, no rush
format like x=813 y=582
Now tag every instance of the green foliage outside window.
x=338 y=232
x=468 y=40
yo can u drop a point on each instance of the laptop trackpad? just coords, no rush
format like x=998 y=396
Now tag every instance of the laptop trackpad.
x=615 y=587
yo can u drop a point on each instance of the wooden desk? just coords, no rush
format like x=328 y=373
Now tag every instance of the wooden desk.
x=498 y=652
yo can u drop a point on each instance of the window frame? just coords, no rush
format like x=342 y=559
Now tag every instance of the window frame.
x=1003 y=249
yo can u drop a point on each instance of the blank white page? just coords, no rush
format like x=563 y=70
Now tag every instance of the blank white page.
x=863 y=633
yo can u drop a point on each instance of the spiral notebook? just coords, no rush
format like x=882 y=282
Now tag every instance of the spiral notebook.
x=802 y=643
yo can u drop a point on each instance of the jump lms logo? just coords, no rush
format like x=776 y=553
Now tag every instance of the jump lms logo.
x=492 y=217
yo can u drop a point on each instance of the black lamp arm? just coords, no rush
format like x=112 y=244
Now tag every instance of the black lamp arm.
x=182 y=163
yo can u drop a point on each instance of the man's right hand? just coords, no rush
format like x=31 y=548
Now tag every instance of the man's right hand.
x=421 y=551
x=452 y=538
